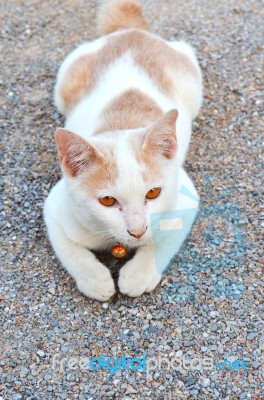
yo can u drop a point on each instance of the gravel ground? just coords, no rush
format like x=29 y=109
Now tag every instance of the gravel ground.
x=210 y=302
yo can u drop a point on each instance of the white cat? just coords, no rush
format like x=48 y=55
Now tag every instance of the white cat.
x=129 y=99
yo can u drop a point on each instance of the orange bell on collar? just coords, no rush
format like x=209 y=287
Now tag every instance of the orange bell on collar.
x=119 y=251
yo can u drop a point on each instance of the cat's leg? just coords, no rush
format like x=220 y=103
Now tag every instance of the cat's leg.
x=139 y=275
x=92 y=278
x=144 y=271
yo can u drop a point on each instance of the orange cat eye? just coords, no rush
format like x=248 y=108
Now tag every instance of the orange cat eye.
x=107 y=201
x=153 y=193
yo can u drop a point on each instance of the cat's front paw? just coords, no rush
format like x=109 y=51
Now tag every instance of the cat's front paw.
x=135 y=279
x=99 y=286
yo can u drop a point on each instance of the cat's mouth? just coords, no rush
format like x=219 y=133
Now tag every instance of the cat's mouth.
x=131 y=243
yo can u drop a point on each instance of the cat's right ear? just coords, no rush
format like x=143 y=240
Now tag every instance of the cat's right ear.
x=161 y=139
x=76 y=154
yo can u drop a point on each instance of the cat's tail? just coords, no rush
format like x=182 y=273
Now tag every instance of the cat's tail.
x=120 y=14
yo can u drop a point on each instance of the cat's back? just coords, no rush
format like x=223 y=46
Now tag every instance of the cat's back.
x=129 y=57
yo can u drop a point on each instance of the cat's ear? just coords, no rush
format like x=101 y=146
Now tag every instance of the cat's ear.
x=76 y=154
x=161 y=139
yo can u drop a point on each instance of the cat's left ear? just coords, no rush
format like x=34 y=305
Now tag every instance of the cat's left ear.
x=76 y=154
x=161 y=139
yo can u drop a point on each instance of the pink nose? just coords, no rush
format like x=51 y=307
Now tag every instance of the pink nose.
x=137 y=233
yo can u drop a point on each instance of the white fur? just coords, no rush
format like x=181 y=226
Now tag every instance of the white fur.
x=78 y=223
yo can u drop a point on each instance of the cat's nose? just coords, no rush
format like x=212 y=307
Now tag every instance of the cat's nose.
x=137 y=233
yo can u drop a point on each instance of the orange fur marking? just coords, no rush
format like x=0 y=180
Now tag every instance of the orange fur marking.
x=77 y=80
x=131 y=110
x=149 y=52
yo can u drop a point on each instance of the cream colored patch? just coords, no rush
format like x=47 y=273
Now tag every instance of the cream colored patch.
x=150 y=52
x=131 y=110
x=77 y=81
x=157 y=58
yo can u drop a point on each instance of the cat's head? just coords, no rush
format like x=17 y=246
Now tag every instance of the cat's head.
x=118 y=179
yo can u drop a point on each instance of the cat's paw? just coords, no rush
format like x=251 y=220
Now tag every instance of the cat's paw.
x=99 y=286
x=135 y=279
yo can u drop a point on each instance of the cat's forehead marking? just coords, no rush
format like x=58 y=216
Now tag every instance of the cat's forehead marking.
x=135 y=170
x=125 y=166
x=102 y=175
